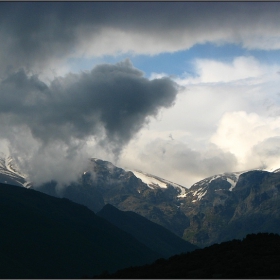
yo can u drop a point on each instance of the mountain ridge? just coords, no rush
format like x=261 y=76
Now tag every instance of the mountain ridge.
x=204 y=214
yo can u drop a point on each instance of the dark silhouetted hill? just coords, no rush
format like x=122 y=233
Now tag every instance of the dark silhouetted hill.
x=256 y=256
x=151 y=234
x=47 y=237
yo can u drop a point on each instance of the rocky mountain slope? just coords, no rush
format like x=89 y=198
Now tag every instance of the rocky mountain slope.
x=224 y=213
x=103 y=183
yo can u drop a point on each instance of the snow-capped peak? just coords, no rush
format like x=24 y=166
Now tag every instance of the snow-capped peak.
x=199 y=189
x=10 y=173
x=276 y=170
x=153 y=182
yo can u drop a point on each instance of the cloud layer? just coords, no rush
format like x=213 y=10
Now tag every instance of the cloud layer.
x=65 y=119
x=43 y=34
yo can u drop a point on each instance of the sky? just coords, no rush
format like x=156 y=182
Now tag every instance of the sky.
x=181 y=90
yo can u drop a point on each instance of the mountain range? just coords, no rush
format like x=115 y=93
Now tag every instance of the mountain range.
x=215 y=209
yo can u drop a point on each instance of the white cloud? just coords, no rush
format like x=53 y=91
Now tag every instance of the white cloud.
x=157 y=75
x=241 y=70
x=211 y=71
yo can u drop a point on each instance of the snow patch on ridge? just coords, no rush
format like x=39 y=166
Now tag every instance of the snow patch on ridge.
x=232 y=182
x=201 y=195
x=8 y=168
x=214 y=178
x=155 y=182
x=151 y=182
x=199 y=189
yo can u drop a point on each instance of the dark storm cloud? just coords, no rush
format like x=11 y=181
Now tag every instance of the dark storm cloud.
x=116 y=99
x=33 y=32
